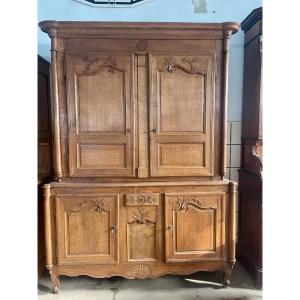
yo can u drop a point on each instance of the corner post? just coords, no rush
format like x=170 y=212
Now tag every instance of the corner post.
x=233 y=224
x=55 y=104
x=227 y=35
x=231 y=233
x=48 y=238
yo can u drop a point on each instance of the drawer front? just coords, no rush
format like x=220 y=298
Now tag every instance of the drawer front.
x=87 y=228
x=195 y=226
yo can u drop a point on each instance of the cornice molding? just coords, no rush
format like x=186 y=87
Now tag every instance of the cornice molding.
x=251 y=19
x=138 y=30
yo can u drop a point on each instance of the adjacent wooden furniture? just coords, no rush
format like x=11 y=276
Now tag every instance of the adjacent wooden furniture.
x=250 y=176
x=139 y=136
x=45 y=169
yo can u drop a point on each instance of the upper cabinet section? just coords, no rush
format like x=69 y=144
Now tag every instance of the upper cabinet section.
x=139 y=100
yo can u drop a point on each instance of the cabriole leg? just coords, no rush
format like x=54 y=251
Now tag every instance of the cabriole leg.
x=227 y=275
x=55 y=281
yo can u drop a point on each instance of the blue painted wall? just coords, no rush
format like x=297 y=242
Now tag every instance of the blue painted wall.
x=162 y=11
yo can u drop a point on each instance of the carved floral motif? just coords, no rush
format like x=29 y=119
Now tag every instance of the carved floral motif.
x=140 y=217
x=142 y=271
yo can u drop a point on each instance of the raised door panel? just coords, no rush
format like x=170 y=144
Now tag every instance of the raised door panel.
x=143 y=225
x=101 y=115
x=181 y=110
x=87 y=229
x=195 y=226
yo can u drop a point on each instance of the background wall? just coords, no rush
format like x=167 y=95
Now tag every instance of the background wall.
x=170 y=11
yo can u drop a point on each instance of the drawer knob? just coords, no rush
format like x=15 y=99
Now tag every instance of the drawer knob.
x=170 y=227
x=113 y=228
x=155 y=130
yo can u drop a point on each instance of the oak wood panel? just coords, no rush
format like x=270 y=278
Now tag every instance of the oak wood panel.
x=181 y=102
x=101 y=108
x=195 y=226
x=87 y=228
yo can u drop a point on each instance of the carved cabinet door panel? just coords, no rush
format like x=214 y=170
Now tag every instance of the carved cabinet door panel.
x=87 y=229
x=181 y=115
x=195 y=226
x=143 y=227
x=101 y=115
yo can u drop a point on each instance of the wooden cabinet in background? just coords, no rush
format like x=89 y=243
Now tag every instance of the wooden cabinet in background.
x=139 y=131
x=250 y=176
x=44 y=152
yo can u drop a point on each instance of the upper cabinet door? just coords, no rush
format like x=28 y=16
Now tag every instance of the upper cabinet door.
x=101 y=115
x=181 y=115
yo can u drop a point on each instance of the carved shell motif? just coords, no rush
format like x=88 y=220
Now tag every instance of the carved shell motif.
x=141 y=271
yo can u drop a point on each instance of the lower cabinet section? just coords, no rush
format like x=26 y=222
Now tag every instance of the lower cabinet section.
x=139 y=231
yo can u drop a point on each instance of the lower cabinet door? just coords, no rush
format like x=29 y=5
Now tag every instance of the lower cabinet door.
x=87 y=228
x=195 y=226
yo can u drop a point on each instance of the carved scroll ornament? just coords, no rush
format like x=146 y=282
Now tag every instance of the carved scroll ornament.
x=183 y=204
x=94 y=64
x=87 y=205
x=186 y=64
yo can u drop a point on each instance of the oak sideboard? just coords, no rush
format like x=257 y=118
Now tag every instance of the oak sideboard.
x=139 y=139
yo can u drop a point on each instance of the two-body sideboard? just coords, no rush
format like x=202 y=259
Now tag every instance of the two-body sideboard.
x=139 y=131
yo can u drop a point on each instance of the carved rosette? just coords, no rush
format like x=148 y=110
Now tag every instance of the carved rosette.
x=141 y=45
x=141 y=271
x=141 y=199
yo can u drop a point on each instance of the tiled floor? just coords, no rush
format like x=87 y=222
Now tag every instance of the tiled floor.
x=202 y=285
